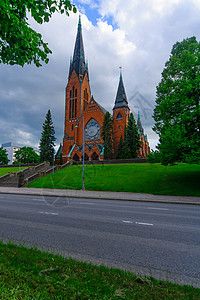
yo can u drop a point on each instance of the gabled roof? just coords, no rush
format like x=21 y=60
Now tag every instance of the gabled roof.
x=121 y=99
x=78 y=62
x=101 y=108
x=60 y=151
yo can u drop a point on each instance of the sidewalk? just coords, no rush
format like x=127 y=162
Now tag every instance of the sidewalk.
x=101 y=195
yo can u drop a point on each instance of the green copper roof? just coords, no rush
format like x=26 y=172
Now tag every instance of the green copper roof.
x=121 y=99
x=78 y=62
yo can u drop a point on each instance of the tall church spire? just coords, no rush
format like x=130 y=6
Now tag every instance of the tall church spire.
x=121 y=99
x=78 y=63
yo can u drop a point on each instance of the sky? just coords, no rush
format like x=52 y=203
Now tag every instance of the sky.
x=136 y=35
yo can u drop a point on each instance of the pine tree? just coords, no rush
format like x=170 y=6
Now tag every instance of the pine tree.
x=126 y=149
x=132 y=136
x=47 y=139
x=120 y=148
x=106 y=134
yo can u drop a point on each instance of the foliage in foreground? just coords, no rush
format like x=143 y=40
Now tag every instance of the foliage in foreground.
x=19 y=43
x=106 y=134
x=177 y=111
x=30 y=273
x=179 y=180
x=3 y=156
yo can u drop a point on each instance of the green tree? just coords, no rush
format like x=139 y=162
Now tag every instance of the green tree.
x=120 y=148
x=3 y=157
x=19 y=43
x=26 y=155
x=106 y=134
x=154 y=157
x=133 y=139
x=126 y=149
x=47 y=139
x=177 y=111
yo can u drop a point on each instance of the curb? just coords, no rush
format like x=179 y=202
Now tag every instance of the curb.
x=22 y=191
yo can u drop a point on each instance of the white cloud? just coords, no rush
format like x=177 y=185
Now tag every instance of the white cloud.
x=141 y=44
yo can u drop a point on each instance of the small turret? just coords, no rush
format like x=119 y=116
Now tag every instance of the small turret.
x=121 y=114
x=121 y=99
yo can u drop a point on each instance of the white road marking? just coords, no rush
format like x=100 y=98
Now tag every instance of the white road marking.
x=88 y=203
x=48 y=213
x=157 y=208
x=129 y=222
x=147 y=224
x=38 y=200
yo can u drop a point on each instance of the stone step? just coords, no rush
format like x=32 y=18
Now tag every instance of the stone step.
x=13 y=181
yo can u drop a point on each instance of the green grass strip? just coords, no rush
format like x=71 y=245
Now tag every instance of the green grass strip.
x=32 y=274
x=4 y=171
x=178 y=180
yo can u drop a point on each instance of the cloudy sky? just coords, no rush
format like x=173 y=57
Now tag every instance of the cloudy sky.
x=135 y=34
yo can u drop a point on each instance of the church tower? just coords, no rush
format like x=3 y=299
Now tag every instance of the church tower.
x=121 y=113
x=77 y=94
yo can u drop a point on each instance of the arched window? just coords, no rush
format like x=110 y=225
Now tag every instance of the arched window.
x=95 y=156
x=73 y=103
x=85 y=156
x=92 y=130
x=76 y=157
x=85 y=99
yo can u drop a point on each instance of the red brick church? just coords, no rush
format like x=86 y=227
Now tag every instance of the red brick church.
x=80 y=105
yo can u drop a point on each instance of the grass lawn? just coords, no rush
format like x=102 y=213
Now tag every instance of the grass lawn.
x=179 y=180
x=4 y=171
x=33 y=274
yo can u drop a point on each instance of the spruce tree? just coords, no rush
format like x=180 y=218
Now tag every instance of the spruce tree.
x=132 y=136
x=126 y=149
x=120 y=148
x=47 y=139
x=106 y=134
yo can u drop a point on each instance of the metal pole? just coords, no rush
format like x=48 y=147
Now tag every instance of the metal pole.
x=19 y=161
x=83 y=157
x=53 y=163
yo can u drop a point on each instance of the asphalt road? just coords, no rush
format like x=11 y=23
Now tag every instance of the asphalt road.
x=158 y=239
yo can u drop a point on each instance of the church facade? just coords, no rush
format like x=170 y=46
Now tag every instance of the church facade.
x=82 y=111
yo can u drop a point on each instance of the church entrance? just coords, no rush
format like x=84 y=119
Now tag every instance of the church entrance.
x=76 y=157
x=86 y=157
x=95 y=156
